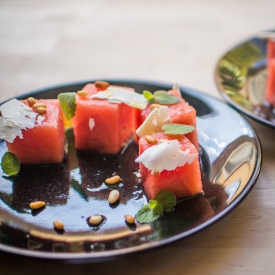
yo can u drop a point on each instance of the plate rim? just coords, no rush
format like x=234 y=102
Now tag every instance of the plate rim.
x=109 y=255
x=219 y=86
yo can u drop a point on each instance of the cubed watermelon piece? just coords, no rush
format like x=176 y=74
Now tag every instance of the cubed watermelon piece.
x=181 y=113
x=184 y=181
x=100 y=125
x=270 y=49
x=270 y=85
x=45 y=142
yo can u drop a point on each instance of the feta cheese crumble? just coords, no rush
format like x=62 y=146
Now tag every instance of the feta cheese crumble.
x=91 y=124
x=121 y=95
x=154 y=121
x=40 y=119
x=165 y=156
x=15 y=116
x=176 y=88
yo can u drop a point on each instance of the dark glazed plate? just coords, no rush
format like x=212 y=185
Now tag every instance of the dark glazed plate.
x=241 y=77
x=230 y=160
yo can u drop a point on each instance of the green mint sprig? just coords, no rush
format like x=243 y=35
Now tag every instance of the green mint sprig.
x=10 y=164
x=68 y=104
x=149 y=96
x=177 y=129
x=164 y=202
x=161 y=97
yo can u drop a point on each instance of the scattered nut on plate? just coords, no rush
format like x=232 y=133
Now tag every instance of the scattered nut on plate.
x=113 y=180
x=113 y=196
x=58 y=225
x=37 y=204
x=95 y=219
x=129 y=218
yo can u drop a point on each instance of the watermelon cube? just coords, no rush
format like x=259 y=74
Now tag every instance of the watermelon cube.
x=100 y=125
x=270 y=49
x=45 y=142
x=270 y=85
x=183 y=181
x=181 y=113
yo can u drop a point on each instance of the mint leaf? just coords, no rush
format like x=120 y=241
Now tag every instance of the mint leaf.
x=162 y=97
x=149 y=96
x=10 y=164
x=158 y=210
x=167 y=199
x=152 y=204
x=164 y=202
x=177 y=129
x=149 y=212
x=146 y=214
x=68 y=104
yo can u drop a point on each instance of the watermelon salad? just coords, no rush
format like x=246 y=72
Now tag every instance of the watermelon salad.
x=104 y=118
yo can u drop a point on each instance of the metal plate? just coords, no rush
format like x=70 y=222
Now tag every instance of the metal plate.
x=230 y=155
x=241 y=77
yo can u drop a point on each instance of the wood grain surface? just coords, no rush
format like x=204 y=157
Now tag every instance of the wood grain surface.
x=46 y=42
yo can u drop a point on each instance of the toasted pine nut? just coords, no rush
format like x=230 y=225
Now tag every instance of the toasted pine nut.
x=154 y=105
x=102 y=84
x=31 y=101
x=95 y=220
x=82 y=93
x=37 y=105
x=150 y=140
x=41 y=110
x=130 y=219
x=58 y=225
x=37 y=204
x=113 y=180
x=113 y=196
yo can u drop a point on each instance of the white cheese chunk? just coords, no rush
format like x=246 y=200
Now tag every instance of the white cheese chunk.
x=15 y=116
x=119 y=95
x=165 y=156
x=40 y=119
x=8 y=131
x=91 y=123
x=176 y=88
x=154 y=122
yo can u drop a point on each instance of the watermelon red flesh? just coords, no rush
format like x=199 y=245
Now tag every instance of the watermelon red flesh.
x=270 y=85
x=270 y=50
x=184 y=181
x=112 y=124
x=138 y=119
x=44 y=143
x=181 y=113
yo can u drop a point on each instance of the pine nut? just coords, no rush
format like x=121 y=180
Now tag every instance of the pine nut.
x=150 y=140
x=95 y=220
x=113 y=196
x=41 y=110
x=154 y=105
x=37 y=105
x=102 y=84
x=113 y=180
x=31 y=101
x=82 y=93
x=130 y=219
x=58 y=225
x=37 y=204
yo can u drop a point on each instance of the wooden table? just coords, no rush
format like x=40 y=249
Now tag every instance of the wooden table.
x=44 y=43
